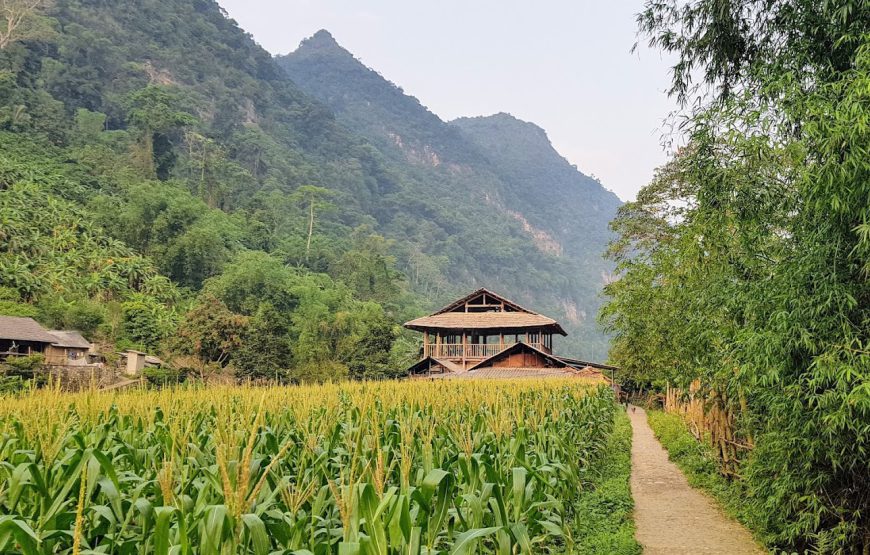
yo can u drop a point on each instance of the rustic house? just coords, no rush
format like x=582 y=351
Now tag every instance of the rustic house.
x=22 y=336
x=484 y=335
x=25 y=336
x=69 y=349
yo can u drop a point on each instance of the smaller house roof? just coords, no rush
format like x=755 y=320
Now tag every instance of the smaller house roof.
x=24 y=329
x=517 y=373
x=577 y=363
x=429 y=361
x=70 y=338
x=149 y=359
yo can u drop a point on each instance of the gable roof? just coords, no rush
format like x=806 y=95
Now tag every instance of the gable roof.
x=482 y=291
x=517 y=347
x=24 y=329
x=70 y=338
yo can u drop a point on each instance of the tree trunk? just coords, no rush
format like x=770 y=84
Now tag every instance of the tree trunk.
x=310 y=229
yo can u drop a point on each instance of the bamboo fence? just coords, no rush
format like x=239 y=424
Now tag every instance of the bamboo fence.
x=711 y=419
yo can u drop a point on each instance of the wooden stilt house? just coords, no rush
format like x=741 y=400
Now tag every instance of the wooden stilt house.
x=486 y=335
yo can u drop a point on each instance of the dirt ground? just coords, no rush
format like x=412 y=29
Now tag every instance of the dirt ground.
x=671 y=516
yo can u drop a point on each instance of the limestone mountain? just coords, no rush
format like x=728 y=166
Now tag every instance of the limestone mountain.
x=501 y=172
x=575 y=208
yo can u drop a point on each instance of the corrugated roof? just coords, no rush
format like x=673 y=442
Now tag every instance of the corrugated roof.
x=24 y=329
x=484 y=320
x=70 y=338
x=577 y=363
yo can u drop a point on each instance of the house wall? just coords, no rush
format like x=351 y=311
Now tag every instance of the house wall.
x=135 y=363
x=66 y=356
x=521 y=360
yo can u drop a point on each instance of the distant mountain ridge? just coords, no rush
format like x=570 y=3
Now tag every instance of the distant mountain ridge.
x=497 y=168
x=579 y=207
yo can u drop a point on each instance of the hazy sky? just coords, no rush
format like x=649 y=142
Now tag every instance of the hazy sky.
x=562 y=64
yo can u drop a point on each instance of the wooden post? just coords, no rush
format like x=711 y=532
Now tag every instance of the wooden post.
x=501 y=341
x=464 y=347
x=425 y=344
x=438 y=343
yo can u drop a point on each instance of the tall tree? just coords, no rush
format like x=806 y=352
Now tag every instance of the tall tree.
x=22 y=20
x=314 y=200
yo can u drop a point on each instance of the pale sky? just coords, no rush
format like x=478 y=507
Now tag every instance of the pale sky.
x=562 y=64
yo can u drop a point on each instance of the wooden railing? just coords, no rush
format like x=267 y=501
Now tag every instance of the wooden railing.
x=473 y=350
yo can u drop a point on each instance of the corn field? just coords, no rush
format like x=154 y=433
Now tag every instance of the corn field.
x=387 y=468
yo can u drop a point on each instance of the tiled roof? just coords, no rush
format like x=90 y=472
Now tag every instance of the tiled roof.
x=508 y=373
x=70 y=338
x=484 y=320
x=24 y=329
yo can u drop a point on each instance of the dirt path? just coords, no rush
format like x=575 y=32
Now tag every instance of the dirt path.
x=670 y=515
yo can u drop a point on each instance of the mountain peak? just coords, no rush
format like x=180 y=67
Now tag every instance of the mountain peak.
x=504 y=122
x=321 y=42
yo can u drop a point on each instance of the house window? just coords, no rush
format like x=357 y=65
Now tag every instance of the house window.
x=534 y=337
x=73 y=355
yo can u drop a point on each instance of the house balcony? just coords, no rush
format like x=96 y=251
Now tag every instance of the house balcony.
x=474 y=350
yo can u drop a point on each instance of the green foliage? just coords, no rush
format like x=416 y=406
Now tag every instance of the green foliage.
x=25 y=364
x=11 y=305
x=744 y=264
x=210 y=332
x=146 y=322
x=83 y=315
x=164 y=375
x=51 y=247
x=266 y=350
x=603 y=513
x=319 y=371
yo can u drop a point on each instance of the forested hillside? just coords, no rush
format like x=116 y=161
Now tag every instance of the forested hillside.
x=166 y=186
x=552 y=194
x=532 y=225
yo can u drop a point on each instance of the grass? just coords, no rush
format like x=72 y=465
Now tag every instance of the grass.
x=603 y=515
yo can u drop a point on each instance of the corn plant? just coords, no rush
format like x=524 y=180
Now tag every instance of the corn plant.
x=372 y=469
